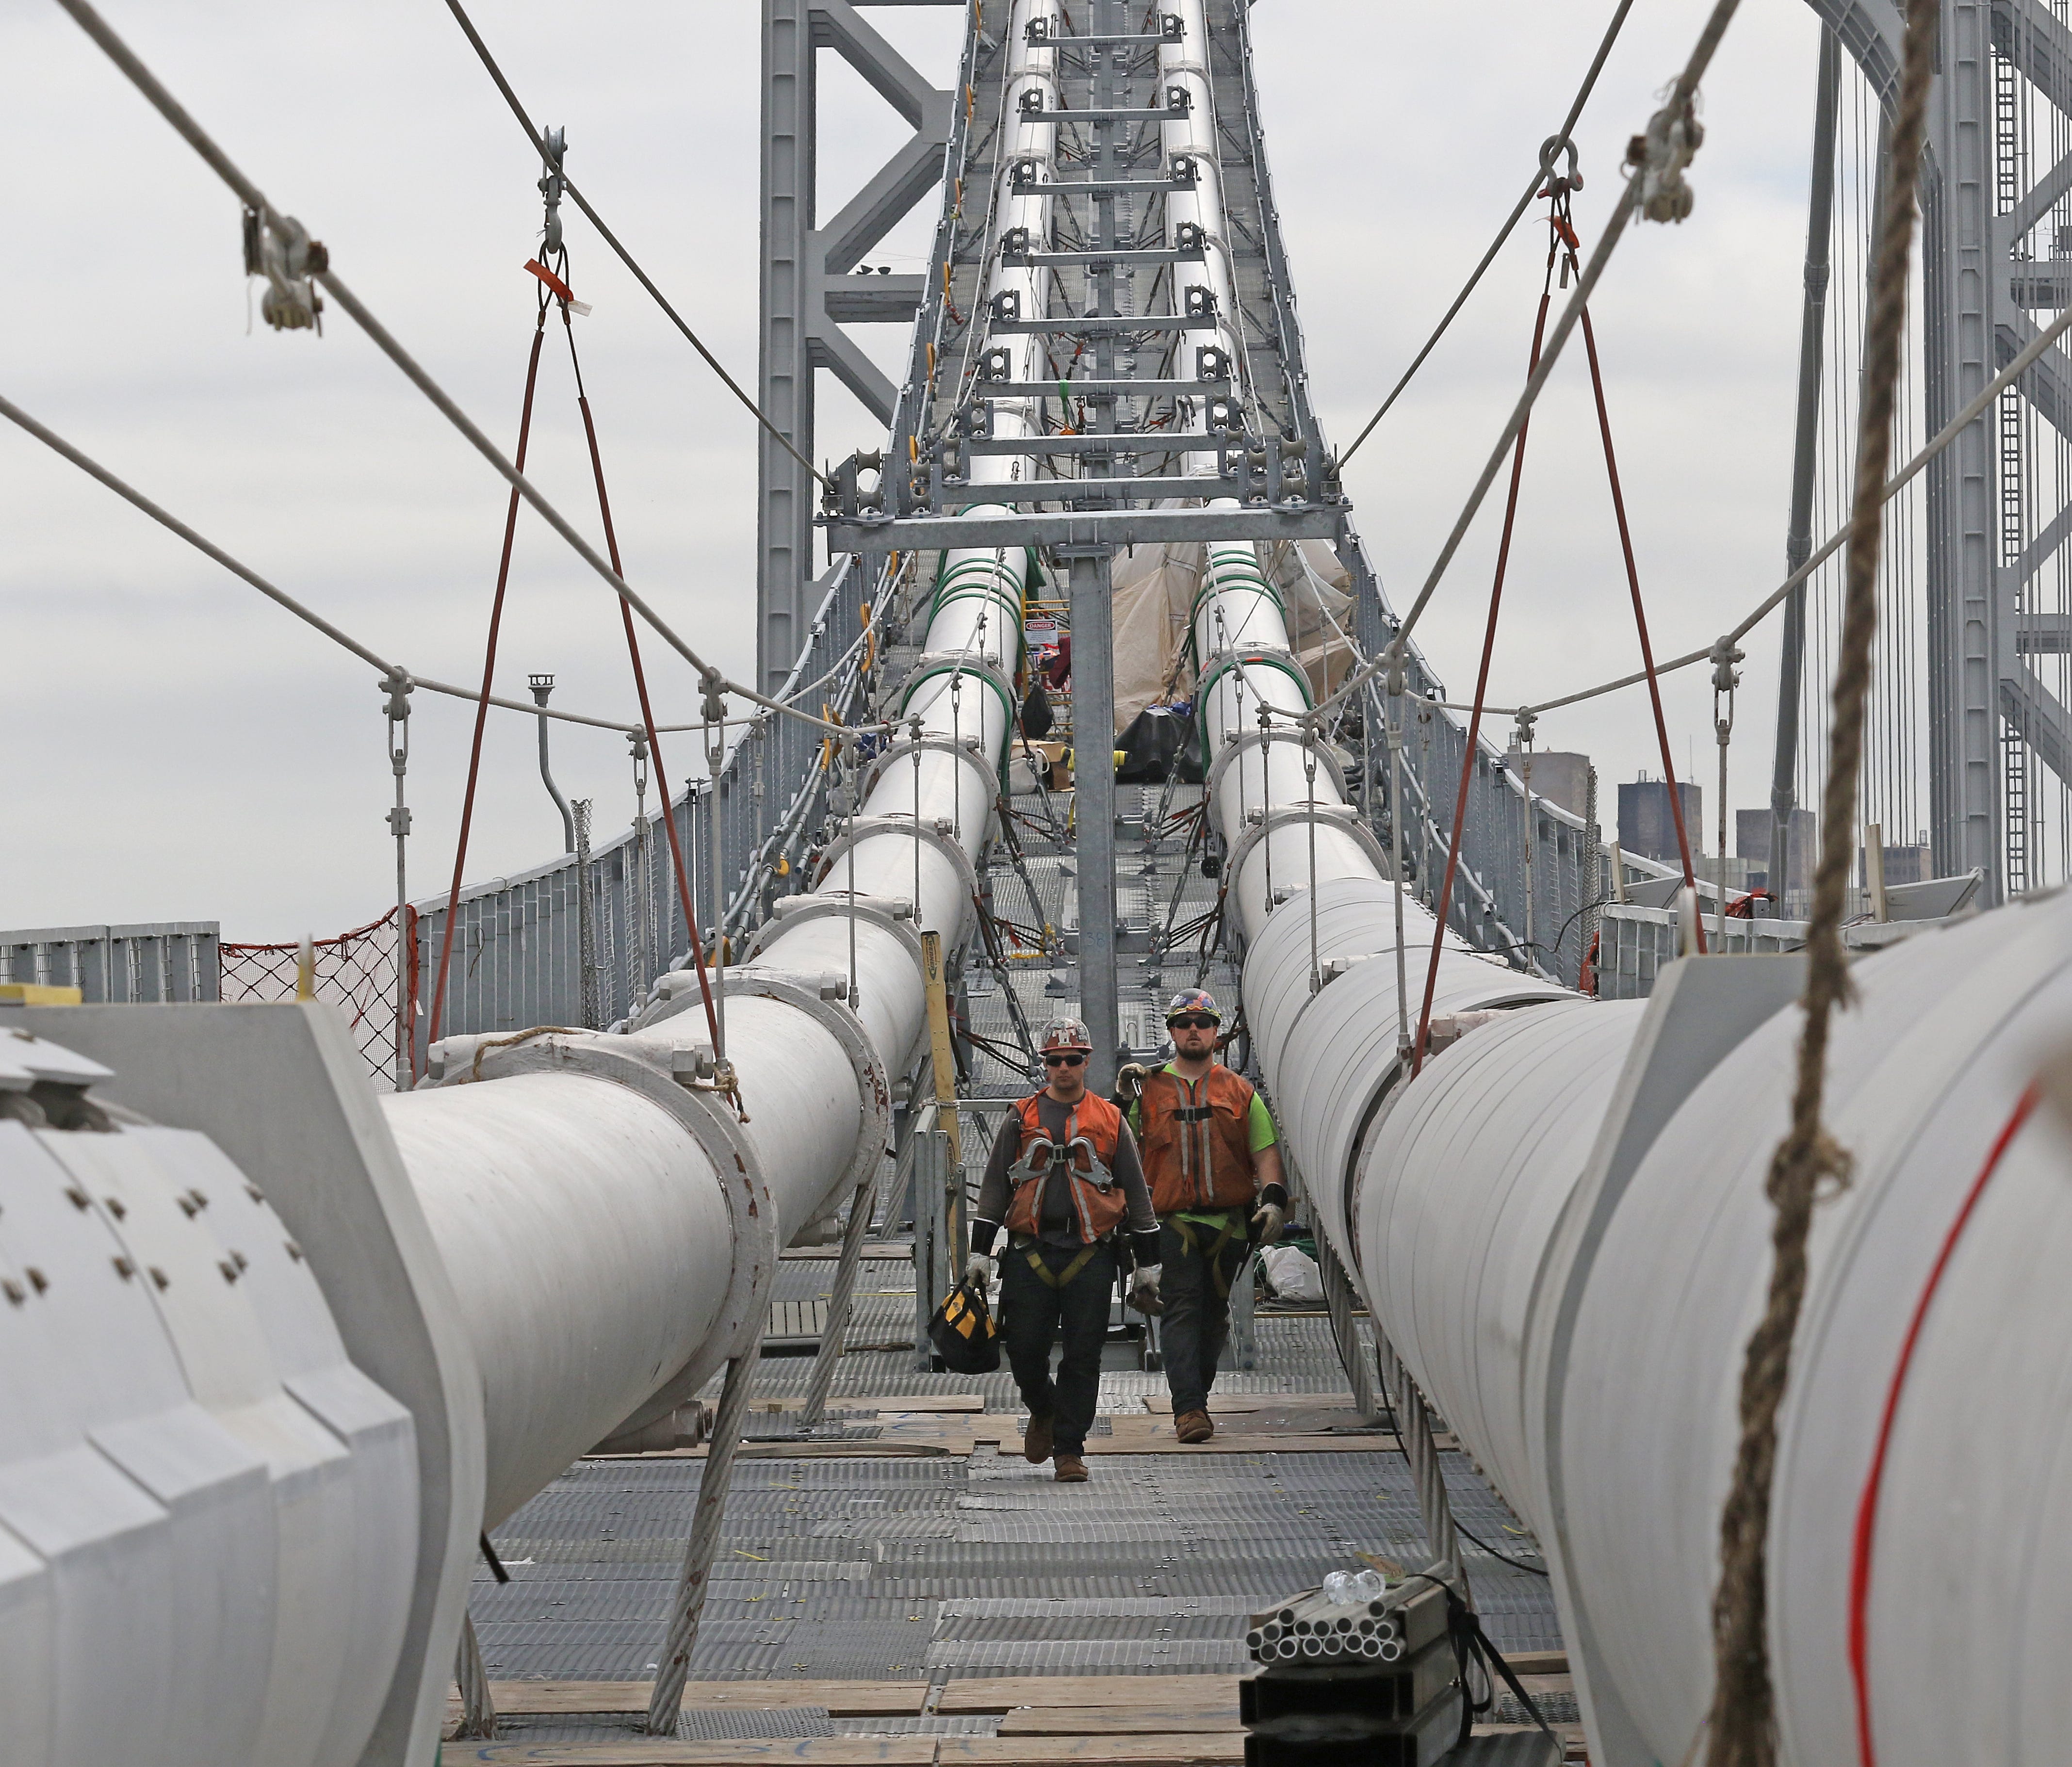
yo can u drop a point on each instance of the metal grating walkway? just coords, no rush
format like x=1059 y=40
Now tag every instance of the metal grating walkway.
x=938 y=1566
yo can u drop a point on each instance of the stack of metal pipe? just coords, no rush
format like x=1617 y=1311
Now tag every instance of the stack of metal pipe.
x=1312 y=1628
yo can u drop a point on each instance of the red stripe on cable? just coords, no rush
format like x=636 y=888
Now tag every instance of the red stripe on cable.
x=562 y=291
x=1867 y=1506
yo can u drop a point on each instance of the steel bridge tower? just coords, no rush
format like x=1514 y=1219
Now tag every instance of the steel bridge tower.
x=1151 y=347
x=1991 y=261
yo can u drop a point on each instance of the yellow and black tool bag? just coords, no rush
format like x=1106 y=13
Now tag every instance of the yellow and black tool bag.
x=963 y=1333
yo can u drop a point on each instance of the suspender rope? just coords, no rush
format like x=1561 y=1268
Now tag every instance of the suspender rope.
x=1265 y=786
x=1725 y=679
x=1310 y=788
x=1640 y=614
x=850 y=793
x=640 y=686
x=1524 y=739
x=643 y=903
x=488 y=678
x=1394 y=722
x=913 y=730
x=1441 y=907
x=398 y=708
x=715 y=711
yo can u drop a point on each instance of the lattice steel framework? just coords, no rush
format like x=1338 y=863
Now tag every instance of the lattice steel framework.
x=807 y=291
x=1993 y=229
x=1125 y=330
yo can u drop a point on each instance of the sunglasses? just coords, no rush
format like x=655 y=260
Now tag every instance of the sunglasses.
x=1065 y=1061
x=1197 y=1021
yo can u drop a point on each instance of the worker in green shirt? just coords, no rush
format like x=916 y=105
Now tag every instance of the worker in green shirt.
x=1212 y=1158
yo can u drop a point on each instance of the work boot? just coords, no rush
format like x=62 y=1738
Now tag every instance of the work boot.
x=1036 y=1441
x=1071 y=1470
x=1193 y=1427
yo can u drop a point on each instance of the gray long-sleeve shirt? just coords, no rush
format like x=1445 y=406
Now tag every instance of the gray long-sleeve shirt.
x=1053 y=1210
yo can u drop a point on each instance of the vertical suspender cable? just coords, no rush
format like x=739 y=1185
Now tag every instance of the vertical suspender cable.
x=1309 y=821
x=1805 y=461
x=398 y=687
x=715 y=755
x=1395 y=726
x=851 y=791
x=488 y=678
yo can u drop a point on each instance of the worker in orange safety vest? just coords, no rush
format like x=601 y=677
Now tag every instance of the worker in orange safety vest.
x=1065 y=1184
x=1212 y=1158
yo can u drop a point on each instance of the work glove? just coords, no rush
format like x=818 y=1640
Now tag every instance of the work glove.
x=1129 y=1082
x=1266 y=1223
x=1143 y=1294
x=978 y=1271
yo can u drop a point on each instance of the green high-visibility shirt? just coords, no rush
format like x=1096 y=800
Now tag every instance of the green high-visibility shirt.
x=1260 y=1132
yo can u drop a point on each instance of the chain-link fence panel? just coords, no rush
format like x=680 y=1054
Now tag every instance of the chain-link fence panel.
x=356 y=972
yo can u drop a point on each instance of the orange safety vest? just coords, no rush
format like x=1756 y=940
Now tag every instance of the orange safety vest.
x=1093 y=1129
x=1196 y=1141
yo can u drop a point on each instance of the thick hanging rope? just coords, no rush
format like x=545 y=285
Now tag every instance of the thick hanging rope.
x=488 y=681
x=640 y=688
x=1443 y=905
x=1742 y=1722
x=1562 y=247
x=1639 y=612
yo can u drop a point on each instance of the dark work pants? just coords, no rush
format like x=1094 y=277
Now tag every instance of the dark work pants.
x=1035 y=1316
x=1196 y=1321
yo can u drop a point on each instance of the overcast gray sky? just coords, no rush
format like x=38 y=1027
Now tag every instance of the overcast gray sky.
x=173 y=747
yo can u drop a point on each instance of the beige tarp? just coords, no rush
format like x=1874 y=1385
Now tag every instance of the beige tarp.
x=1154 y=589
x=1316 y=589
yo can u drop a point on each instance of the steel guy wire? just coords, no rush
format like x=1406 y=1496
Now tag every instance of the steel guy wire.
x=94 y=469
x=170 y=108
x=1677 y=106
x=611 y=239
x=1548 y=154
x=1949 y=432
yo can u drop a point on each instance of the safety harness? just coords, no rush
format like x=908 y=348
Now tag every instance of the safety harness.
x=1186 y=1231
x=1085 y=1161
x=1059 y=1279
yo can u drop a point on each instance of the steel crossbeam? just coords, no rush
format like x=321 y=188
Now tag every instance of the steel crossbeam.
x=1117 y=186
x=1110 y=113
x=1095 y=260
x=1099 y=389
x=1106 y=40
x=1104 y=527
x=1126 y=444
x=1105 y=324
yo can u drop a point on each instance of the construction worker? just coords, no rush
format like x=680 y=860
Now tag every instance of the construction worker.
x=1212 y=1157
x=1063 y=1180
